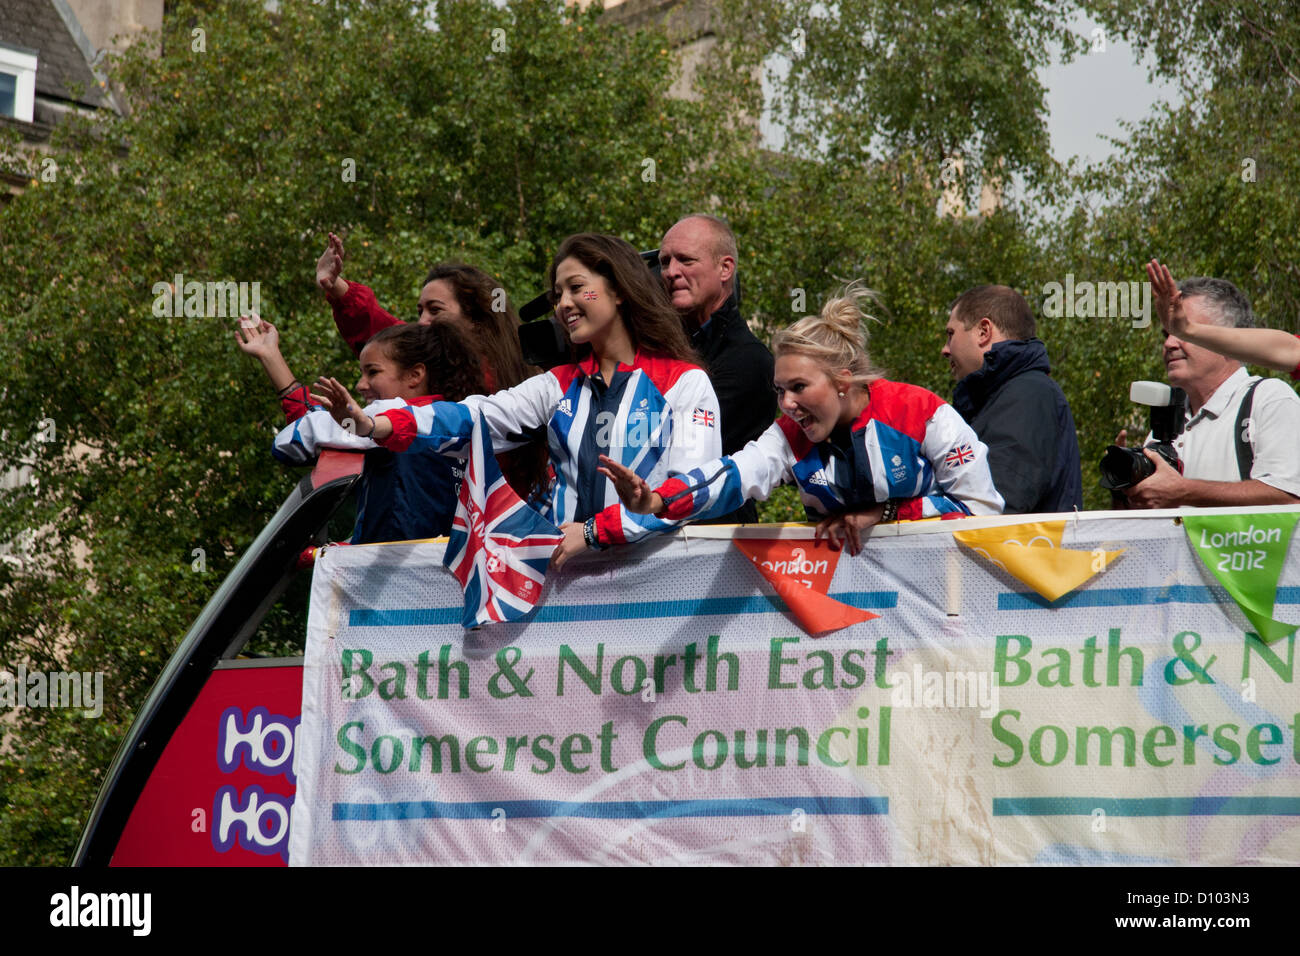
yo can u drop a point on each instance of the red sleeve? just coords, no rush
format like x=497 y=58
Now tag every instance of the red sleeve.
x=609 y=526
x=404 y=429
x=1295 y=375
x=295 y=404
x=679 y=509
x=359 y=316
x=910 y=510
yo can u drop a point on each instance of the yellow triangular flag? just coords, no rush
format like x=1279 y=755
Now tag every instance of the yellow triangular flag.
x=1032 y=554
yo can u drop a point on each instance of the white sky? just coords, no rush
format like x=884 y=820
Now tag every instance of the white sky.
x=1088 y=98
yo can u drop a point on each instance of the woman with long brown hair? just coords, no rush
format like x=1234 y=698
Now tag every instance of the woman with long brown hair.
x=633 y=393
x=462 y=295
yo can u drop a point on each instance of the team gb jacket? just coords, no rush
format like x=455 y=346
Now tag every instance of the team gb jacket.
x=658 y=417
x=908 y=444
x=399 y=497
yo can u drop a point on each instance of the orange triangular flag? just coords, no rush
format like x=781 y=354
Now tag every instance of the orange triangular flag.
x=801 y=572
x=1032 y=554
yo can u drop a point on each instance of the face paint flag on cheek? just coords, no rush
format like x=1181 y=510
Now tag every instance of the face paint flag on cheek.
x=589 y=296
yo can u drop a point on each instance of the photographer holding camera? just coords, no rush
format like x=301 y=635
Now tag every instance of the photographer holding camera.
x=1240 y=444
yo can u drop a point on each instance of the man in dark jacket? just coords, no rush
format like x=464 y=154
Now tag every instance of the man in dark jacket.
x=1005 y=392
x=697 y=259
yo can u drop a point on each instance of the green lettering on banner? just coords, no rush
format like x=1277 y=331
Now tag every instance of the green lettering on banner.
x=355 y=750
x=651 y=738
x=1246 y=553
x=574 y=745
x=775 y=662
x=478 y=747
x=1274 y=660
x=1230 y=747
x=1150 y=743
x=1009 y=737
x=1253 y=741
x=357 y=682
x=395 y=753
x=435 y=743
x=1001 y=659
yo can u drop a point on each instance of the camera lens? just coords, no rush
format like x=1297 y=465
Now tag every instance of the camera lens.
x=1123 y=468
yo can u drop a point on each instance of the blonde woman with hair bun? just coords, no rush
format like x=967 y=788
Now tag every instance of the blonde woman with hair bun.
x=861 y=449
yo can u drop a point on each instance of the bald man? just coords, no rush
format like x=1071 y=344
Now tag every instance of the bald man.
x=697 y=259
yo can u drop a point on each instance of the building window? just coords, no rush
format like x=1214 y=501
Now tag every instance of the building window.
x=8 y=92
x=17 y=82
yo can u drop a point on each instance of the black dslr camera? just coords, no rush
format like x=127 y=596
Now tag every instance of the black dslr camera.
x=1125 y=467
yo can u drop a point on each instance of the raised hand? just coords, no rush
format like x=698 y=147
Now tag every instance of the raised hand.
x=1169 y=301
x=257 y=337
x=633 y=491
x=335 y=396
x=329 y=266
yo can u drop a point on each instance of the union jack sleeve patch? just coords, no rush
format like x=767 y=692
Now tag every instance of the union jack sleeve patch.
x=959 y=456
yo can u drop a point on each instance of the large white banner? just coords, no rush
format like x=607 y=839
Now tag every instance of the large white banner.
x=663 y=706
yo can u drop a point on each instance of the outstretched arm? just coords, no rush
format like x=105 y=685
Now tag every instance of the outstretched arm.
x=1269 y=348
x=356 y=312
x=633 y=490
x=334 y=395
x=259 y=338
x=1166 y=488
x=329 y=268
x=844 y=529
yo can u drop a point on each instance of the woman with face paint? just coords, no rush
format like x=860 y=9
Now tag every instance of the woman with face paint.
x=862 y=449
x=633 y=393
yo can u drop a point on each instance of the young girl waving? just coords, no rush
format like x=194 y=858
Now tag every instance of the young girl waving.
x=400 y=497
x=862 y=449
x=633 y=393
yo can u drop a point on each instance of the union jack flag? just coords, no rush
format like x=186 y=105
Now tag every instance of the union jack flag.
x=499 y=547
x=703 y=417
x=959 y=455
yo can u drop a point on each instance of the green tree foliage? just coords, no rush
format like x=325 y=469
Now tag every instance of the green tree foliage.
x=487 y=139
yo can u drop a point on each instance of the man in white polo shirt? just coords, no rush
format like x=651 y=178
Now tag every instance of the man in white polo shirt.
x=1263 y=468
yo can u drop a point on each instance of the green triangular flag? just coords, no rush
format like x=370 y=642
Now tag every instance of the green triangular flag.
x=1246 y=554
